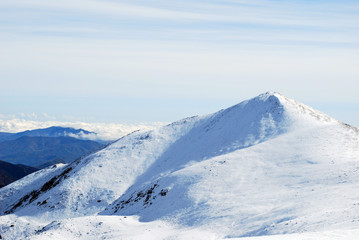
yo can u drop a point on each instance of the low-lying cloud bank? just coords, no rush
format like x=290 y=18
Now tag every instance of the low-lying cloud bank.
x=105 y=131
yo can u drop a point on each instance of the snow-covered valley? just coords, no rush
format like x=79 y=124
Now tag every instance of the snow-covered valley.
x=268 y=168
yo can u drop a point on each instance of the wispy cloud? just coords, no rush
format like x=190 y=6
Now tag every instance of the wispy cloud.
x=116 y=16
x=263 y=12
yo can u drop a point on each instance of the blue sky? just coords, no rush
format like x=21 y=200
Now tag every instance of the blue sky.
x=135 y=61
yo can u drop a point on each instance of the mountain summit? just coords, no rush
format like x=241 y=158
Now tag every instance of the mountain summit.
x=268 y=165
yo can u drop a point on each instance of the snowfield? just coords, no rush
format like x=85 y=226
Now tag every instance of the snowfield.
x=268 y=168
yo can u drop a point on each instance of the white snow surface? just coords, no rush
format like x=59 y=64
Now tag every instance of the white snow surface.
x=267 y=168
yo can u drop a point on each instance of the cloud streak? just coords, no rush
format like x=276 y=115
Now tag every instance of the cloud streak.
x=254 y=12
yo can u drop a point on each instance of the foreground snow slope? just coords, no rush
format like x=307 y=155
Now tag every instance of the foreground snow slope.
x=129 y=228
x=268 y=165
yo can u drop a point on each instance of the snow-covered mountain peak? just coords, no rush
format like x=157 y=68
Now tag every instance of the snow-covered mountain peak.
x=263 y=166
x=266 y=95
x=297 y=114
x=145 y=156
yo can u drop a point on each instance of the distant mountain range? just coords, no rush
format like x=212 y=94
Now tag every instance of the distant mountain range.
x=41 y=152
x=266 y=166
x=10 y=172
x=49 y=132
x=40 y=148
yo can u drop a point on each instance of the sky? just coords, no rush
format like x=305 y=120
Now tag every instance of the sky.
x=159 y=61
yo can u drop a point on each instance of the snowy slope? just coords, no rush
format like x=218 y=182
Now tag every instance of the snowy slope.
x=269 y=165
x=13 y=192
